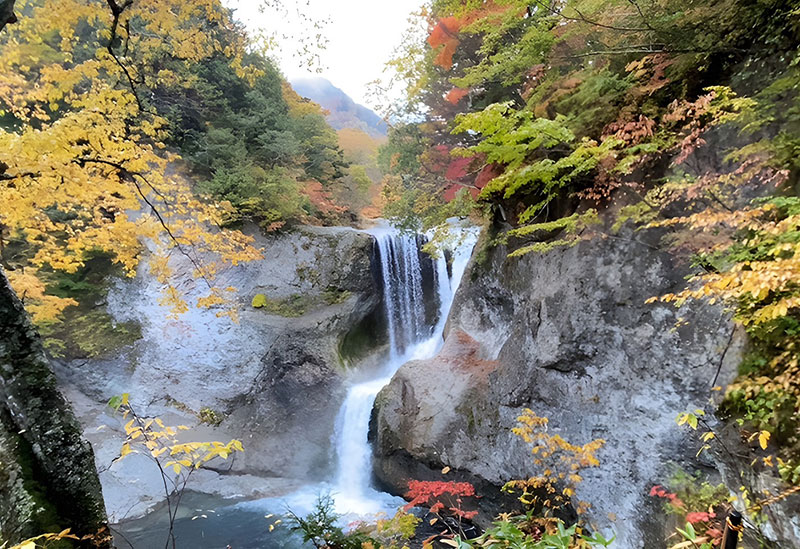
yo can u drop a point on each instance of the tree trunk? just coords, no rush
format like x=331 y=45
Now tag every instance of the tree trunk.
x=7 y=13
x=48 y=479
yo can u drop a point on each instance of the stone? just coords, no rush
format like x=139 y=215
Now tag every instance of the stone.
x=274 y=379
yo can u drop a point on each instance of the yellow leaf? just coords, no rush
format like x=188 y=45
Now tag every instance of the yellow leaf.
x=763 y=439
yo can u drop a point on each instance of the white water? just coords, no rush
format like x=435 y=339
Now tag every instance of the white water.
x=409 y=339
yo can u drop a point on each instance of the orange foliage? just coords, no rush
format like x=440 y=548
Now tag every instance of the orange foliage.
x=358 y=145
x=455 y=95
x=444 y=33
x=321 y=199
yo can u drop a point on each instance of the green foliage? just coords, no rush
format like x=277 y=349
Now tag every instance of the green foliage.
x=527 y=532
x=335 y=296
x=251 y=141
x=541 y=157
x=392 y=533
x=320 y=528
x=595 y=102
x=270 y=195
x=86 y=330
x=695 y=493
x=570 y=227
x=211 y=417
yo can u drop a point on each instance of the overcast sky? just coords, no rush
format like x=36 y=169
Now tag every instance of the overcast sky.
x=362 y=35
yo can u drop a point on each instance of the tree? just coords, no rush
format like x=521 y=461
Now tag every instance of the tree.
x=83 y=165
x=161 y=443
x=7 y=13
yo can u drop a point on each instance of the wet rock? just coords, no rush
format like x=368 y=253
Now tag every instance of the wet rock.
x=273 y=380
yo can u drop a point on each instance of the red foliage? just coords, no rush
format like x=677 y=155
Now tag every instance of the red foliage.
x=631 y=132
x=533 y=79
x=651 y=70
x=444 y=33
x=321 y=199
x=424 y=492
x=457 y=169
x=699 y=516
x=489 y=172
x=658 y=491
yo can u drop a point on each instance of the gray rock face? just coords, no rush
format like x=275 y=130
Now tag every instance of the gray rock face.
x=48 y=479
x=568 y=334
x=273 y=380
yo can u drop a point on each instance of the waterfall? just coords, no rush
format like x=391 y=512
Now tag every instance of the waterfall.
x=410 y=338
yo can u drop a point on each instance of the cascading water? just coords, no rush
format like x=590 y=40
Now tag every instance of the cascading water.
x=244 y=524
x=410 y=338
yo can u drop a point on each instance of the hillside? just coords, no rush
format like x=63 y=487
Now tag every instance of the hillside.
x=344 y=112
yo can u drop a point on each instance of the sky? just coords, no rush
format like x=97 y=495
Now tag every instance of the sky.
x=362 y=35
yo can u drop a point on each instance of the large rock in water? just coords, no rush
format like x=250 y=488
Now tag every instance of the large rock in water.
x=48 y=480
x=566 y=333
x=274 y=379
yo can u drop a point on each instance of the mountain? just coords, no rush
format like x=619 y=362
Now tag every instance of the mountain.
x=344 y=112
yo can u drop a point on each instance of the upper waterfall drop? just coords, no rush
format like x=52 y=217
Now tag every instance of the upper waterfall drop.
x=411 y=336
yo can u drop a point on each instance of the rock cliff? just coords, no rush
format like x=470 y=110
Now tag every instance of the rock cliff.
x=566 y=333
x=273 y=379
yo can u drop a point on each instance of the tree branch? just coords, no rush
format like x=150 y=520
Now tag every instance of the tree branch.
x=583 y=19
x=116 y=11
x=124 y=173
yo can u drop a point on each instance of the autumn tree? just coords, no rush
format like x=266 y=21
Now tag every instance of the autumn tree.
x=83 y=163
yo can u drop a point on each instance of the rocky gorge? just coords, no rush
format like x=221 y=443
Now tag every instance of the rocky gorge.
x=567 y=333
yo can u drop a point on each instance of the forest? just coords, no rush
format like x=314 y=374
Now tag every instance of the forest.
x=557 y=305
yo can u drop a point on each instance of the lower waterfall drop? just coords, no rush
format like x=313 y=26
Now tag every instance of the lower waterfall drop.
x=410 y=338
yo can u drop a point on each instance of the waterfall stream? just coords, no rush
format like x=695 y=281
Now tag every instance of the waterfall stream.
x=411 y=337
x=414 y=332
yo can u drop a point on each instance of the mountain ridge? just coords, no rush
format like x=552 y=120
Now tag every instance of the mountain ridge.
x=343 y=111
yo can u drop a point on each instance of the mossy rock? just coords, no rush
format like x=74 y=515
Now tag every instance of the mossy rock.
x=335 y=296
x=210 y=417
x=86 y=330
x=291 y=307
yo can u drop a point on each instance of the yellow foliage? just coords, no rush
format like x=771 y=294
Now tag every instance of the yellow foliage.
x=86 y=168
x=42 y=540
x=159 y=440
x=558 y=460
